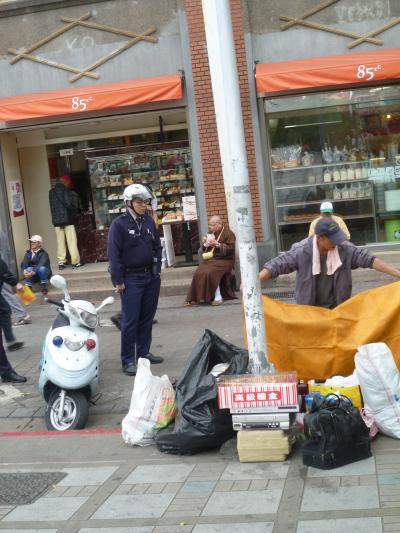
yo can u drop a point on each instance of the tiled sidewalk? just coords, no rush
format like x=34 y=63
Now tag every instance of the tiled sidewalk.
x=209 y=494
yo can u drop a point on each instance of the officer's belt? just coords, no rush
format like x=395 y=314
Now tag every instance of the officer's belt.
x=137 y=270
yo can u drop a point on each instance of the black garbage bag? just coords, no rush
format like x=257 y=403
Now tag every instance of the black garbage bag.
x=199 y=423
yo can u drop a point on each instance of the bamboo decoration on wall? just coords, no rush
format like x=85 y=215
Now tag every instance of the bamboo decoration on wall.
x=83 y=21
x=357 y=39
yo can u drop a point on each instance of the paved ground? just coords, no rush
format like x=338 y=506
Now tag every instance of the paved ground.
x=178 y=329
x=98 y=484
x=111 y=488
x=173 y=337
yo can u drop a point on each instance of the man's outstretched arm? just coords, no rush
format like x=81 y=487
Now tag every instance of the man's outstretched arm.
x=381 y=266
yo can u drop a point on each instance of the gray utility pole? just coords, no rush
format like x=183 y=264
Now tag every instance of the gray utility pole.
x=228 y=110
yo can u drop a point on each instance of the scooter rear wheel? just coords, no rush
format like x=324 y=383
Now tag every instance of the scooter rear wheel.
x=75 y=413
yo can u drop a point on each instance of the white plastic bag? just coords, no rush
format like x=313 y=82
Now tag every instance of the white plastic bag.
x=152 y=406
x=379 y=380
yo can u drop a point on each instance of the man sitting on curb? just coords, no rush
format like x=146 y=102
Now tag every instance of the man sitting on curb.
x=323 y=264
x=36 y=264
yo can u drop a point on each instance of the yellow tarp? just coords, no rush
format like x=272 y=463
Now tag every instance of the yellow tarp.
x=319 y=343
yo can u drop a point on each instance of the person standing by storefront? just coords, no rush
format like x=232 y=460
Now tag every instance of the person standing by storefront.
x=64 y=206
x=326 y=211
x=7 y=372
x=134 y=253
x=152 y=211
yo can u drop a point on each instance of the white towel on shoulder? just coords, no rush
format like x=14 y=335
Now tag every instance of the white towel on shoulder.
x=333 y=261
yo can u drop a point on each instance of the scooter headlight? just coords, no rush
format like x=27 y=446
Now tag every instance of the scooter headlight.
x=74 y=346
x=89 y=319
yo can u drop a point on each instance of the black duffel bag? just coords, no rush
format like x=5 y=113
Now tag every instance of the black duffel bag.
x=335 y=432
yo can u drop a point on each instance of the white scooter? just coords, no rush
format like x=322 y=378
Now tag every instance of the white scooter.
x=70 y=361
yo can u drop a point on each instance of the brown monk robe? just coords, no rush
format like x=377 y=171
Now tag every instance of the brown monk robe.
x=215 y=272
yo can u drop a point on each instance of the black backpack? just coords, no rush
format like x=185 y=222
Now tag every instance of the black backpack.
x=335 y=432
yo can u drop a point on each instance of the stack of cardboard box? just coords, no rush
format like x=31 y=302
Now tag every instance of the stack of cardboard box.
x=263 y=408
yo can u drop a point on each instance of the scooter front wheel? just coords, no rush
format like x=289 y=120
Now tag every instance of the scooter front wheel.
x=75 y=411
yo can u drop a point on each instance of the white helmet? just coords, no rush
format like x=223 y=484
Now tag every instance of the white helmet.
x=136 y=191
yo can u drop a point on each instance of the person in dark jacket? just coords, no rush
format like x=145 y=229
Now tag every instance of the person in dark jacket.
x=324 y=264
x=64 y=207
x=7 y=373
x=13 y=301
x=36 y=264
x=134 y=254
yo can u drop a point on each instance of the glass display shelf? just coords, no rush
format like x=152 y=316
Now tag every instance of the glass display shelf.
x=363 y=162
x=320 y=184
x=167 y=172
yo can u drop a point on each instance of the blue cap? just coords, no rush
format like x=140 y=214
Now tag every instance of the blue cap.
x=330 y=229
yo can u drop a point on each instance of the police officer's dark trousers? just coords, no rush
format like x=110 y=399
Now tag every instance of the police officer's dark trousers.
x=5 y=320
x=139 y=305
x=4 y=363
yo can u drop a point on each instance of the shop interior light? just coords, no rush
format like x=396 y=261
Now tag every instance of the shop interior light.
x=388 y=116
x=313 y=124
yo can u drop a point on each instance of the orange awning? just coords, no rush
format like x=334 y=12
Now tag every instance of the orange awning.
x=91 y=98
x=328 y=71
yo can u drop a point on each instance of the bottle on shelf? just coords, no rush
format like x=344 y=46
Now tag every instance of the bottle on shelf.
x=364 y=171
x=327 y=176
x=358 y=173
x=336 y=174
x=343 y=174
x=337 y=193
x=350 y=173
x=353 y=190
x=346 y=192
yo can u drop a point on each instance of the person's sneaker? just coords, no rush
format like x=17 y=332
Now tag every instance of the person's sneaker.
x=154 y=359
x=130 y=370
x=77 y=265
x=23 y=321
x=45 y=290
x=61 y=266
x=15 y=346
x=12 y=377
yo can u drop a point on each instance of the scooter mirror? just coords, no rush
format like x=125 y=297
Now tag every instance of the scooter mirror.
x=60 y=283
x=108 y=301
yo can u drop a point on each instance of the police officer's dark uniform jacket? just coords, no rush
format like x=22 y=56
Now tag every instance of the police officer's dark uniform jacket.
x=134 y=253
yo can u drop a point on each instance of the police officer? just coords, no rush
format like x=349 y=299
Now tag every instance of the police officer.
x=134 y=254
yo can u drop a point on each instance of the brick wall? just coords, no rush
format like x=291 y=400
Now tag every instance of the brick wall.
x=208 y=136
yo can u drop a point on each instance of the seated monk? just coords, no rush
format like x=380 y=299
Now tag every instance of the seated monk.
x=211 y=282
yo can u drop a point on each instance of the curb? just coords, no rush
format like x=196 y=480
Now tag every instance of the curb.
x=69 y=432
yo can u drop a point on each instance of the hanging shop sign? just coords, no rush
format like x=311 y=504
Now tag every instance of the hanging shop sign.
x=328 y=71
x=17 y=199
x=91 y=98
x=83 y=22
x=64 y=152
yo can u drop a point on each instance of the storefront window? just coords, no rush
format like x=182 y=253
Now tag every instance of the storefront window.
x=341 y=147
x=168 y=172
